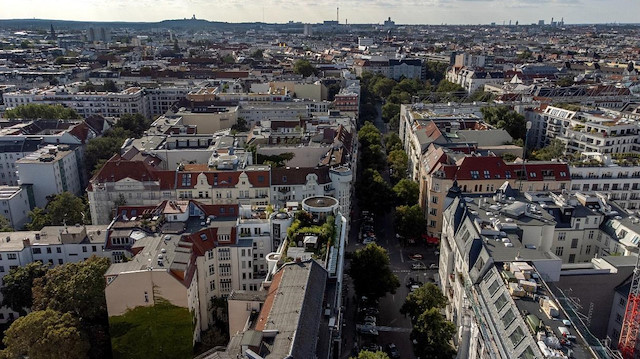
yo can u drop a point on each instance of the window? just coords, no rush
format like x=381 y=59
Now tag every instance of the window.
x=562 y=236
x=618 y=318
x=559 y=251
x=486 y=174
x=225 y=270
x=591 y=233
x=84 y=249
x=1 y=269
x=623 y=301
x=60 y=261
x=36 y=250
x=224 y=254
x=49 y=250
x=94 y=249
x=212 y=269
x=434 y=199
x=508 y=318
x=212 y=285
x=210 y=255
x=58 y=250
x=572 y=258
x=587 y=249
x=432 y=223
x=433 y=211
x=574 y=243
x=517 y=336
x=475 y=174
x=507 y=174
x=12 y=256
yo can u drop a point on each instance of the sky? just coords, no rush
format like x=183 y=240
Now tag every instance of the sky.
x=314 y=11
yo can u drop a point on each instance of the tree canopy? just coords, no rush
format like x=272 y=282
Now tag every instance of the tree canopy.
x=407 y=192
x=64 y=208
x=5 y=225
x=32 y=111
x=366 y=354
x=409 y=221
x=392 y=142
x=373 y=192
x=77 y=288
x=505 y=118
x=371 y=273
x=398 y=164
x=555 y=149
x=16 y=289
x=45 y=334
x=432 y=334
x=303 y=67
x=426 y=297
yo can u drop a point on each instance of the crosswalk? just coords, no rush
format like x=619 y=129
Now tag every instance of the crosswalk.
x=402 y=271
x=386 y=329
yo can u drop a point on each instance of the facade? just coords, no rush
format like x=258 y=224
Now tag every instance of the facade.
x=139 y=183
x=480 y=174
x=472 y=79
x=486 y=262
x=52 y=246
x=86 y=104
x=15 y=204
x=50 y=170
x=187 y=253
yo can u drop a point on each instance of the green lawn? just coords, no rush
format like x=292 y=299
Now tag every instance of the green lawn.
x=161 y=331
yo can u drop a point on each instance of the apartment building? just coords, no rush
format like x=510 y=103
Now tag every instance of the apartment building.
x=595 y=131
x=474 y=79
x=52 y=246
x=187 y=253
x=86 y=104
x=51 y=170
x=137 y=182
x=15 y=204
x=441 y=169
x=494 y=268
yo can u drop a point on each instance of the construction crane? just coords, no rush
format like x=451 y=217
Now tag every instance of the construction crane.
x=631 y=324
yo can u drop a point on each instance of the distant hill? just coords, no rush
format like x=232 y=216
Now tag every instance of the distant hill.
x=40 y=24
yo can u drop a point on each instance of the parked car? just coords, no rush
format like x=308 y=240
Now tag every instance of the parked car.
x=392 y=351
x=414 y=288
x=369 y=311
x=368 y=240
x=413 y=282
x=372 y=347
x=370 y=320
x=416 y=256
x=368 y=330
x=418 y=266
x=433 y=266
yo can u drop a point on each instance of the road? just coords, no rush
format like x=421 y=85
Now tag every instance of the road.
x=393 y=327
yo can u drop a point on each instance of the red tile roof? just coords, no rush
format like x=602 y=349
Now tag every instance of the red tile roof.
x=492 y=167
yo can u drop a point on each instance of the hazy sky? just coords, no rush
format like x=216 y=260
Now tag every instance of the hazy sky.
x=313 y=11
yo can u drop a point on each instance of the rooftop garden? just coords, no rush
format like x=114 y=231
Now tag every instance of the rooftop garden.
x=304 y=225
x=626 y=159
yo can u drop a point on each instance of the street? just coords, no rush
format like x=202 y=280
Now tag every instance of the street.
x=392 y=326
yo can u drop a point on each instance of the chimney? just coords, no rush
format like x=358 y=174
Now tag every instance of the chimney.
x=26 y=242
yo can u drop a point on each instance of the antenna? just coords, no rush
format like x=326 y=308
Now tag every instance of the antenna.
x=338 y=15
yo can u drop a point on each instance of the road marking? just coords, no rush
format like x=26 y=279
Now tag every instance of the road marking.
x=401 y=256
x=386 y=329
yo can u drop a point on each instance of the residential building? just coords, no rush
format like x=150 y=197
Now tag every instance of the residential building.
x=15 y=204
x=52 y=246
x=494 y=268
x=86 y=104
x=474 y=79
x=137 y=182
x=480 y=174
x=51 y=170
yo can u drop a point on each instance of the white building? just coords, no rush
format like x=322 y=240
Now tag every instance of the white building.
x=14 y=205
x=86 y=104
x=52 y=246
x=50 y=170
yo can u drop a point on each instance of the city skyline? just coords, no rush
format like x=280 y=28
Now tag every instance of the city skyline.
x=351 y=11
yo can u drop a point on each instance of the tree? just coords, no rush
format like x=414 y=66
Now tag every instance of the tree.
x=38 y=219
x=333 y=90
x=134 y=123
x=389 y=110
x=77 y=288
x=110 y=86
x=16 y=291
x=45 y=334
x=365 y=354
x=399 y=164
x=432 y=333
x=34 y=111
x=555 y=149
x=422 y=299
x=371 y=273
x=480 y=96
x=383 y=87
x=373 y=192
x=507 y=119
x=565 y=81
x=228 y=59
x=303 y=67
x=258 y=54
x=409 y=221
x=447 y=86
x=240 y=125
x=5 y=225
x=407 y=192
x=369 y=135
x=392 y=142
x=65 y=208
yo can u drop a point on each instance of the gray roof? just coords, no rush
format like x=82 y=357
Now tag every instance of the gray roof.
x=297 y=309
